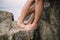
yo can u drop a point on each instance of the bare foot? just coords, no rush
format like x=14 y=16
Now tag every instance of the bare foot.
x=22 y=25
x=30 y=27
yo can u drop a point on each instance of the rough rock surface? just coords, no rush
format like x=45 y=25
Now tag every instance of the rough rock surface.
x=14 y=32
x=6 y=15
x=10 y=31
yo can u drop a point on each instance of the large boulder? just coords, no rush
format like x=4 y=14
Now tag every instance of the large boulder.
x=9 y=30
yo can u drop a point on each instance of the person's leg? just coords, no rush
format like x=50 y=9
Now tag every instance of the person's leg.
x=39 y=5
x=38 y=11
x=32 y=12
x=24 y=13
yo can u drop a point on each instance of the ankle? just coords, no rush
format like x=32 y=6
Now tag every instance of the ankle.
x=19 y=22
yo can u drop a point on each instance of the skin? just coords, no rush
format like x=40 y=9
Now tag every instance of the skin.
x=32 y=12
x=38 y=9
x=30 y=20
x=24 y=13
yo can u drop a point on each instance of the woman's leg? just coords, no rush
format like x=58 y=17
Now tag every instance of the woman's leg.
x=32 y=12
x=24 y=13
x=38 y=11
x=39 y=5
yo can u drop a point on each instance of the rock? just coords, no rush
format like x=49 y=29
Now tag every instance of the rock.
x=14 y=32
x=9 y=30
x=49 y=25
x=6 y=15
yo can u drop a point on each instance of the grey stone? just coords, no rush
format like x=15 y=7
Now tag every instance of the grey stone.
x=9 y=30
x=6 y=15
x=12 y=31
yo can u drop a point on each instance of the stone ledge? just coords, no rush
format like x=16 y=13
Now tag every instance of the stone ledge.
x=11 y=30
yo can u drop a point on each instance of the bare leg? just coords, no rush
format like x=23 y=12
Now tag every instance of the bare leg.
x=38 y=12
x=24 y=13
x=32 y=12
